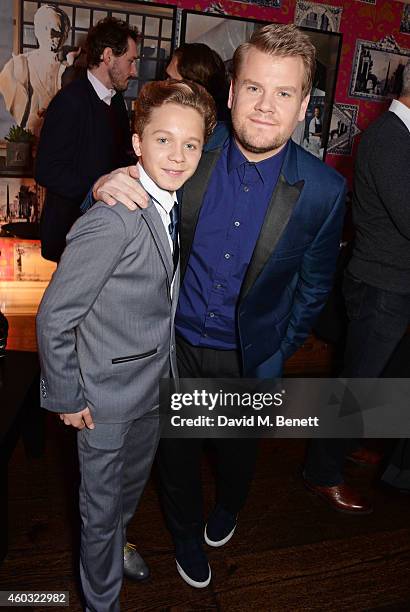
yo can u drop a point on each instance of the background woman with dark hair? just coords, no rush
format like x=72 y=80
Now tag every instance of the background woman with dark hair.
x=199 y=63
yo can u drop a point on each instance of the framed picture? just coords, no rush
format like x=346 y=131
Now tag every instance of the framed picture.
x=224 y=34
x=21 y=200
x=264 y=3
x=343 y=129
x=377 y=69
x=20 y=260
x=318 y=16
x=405 y=20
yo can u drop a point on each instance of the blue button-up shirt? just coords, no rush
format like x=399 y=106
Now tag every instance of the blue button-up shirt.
x=229 y=224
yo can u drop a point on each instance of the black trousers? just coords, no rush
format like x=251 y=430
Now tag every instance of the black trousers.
x=378 y=320
x=179 y=460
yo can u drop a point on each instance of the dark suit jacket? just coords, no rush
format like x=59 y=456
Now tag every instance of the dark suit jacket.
x=81 y=139
x=381 y=211
x=291 y=270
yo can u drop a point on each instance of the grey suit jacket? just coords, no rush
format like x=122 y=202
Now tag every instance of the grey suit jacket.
x=105 y=324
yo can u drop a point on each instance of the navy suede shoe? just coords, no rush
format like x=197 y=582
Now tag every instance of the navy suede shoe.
x=220 y=527
x=192 y=563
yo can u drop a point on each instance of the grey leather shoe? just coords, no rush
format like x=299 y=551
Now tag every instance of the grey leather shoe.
x=135 y=567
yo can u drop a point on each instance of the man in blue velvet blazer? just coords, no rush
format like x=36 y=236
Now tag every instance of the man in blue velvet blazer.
x=291 y=269
x=261 y=221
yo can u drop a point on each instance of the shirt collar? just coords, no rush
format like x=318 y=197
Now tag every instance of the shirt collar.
x=100 y=89
x=236 y=158
x=402 y=111
x=164 y=198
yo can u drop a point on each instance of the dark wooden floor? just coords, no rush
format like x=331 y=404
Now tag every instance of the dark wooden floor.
x=289 y=553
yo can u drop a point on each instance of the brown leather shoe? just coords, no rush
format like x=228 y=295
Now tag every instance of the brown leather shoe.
x=365 y=456
x=341 y=498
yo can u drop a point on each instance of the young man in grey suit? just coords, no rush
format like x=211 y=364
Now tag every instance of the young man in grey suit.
x=105 y=331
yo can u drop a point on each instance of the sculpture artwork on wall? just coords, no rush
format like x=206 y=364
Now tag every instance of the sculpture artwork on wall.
x=29 y=80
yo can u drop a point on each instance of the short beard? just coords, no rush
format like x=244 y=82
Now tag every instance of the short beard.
x=248 y=146
x=115 y=80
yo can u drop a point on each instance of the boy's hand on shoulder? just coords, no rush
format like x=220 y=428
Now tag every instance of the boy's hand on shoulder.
x=78 y=419
x=121 y=186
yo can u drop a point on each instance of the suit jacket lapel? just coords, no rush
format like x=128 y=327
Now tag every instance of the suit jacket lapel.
x=160 y=237
x=277 y=216
x=191 y=202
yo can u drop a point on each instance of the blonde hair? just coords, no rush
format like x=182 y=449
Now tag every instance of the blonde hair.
x=184 y=93
x=282 y=40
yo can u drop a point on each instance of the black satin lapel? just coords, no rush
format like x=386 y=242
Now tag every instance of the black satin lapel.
x=191 y=202
x=277 y=216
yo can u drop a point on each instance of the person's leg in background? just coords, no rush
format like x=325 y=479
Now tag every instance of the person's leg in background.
x=377 y=322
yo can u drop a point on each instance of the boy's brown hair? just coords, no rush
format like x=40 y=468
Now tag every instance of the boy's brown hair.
x=185 y=93
x=282 y=40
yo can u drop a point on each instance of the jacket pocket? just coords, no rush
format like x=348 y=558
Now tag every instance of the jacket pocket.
x=133 y=357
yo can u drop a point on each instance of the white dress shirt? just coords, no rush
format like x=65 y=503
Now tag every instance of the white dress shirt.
x=101 y=90
x=402 y=111
x=163 y=202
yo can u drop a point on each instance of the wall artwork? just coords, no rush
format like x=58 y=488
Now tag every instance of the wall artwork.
x=262 y=3
x=20 y=260
x=377 y=69
x=343 y=129
x=405 y=20
x=32 y=77
x=223 y=34
x=21 y=200
x=214 y=7
x=318 y=16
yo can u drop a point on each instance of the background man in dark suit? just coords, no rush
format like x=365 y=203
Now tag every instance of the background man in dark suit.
x=377 y=283
x=260 y=227
x=86 y=131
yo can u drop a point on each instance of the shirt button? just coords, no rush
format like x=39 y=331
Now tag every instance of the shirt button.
x=237 y=223
x=227 y=255
x=218 y=285
x=246 y=188
x=212 y=314
x=172 y=347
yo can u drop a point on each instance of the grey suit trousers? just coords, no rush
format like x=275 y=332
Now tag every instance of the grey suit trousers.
x=115 y=462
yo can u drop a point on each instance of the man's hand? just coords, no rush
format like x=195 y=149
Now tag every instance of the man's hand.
x=78 y=419
x=121 y=186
